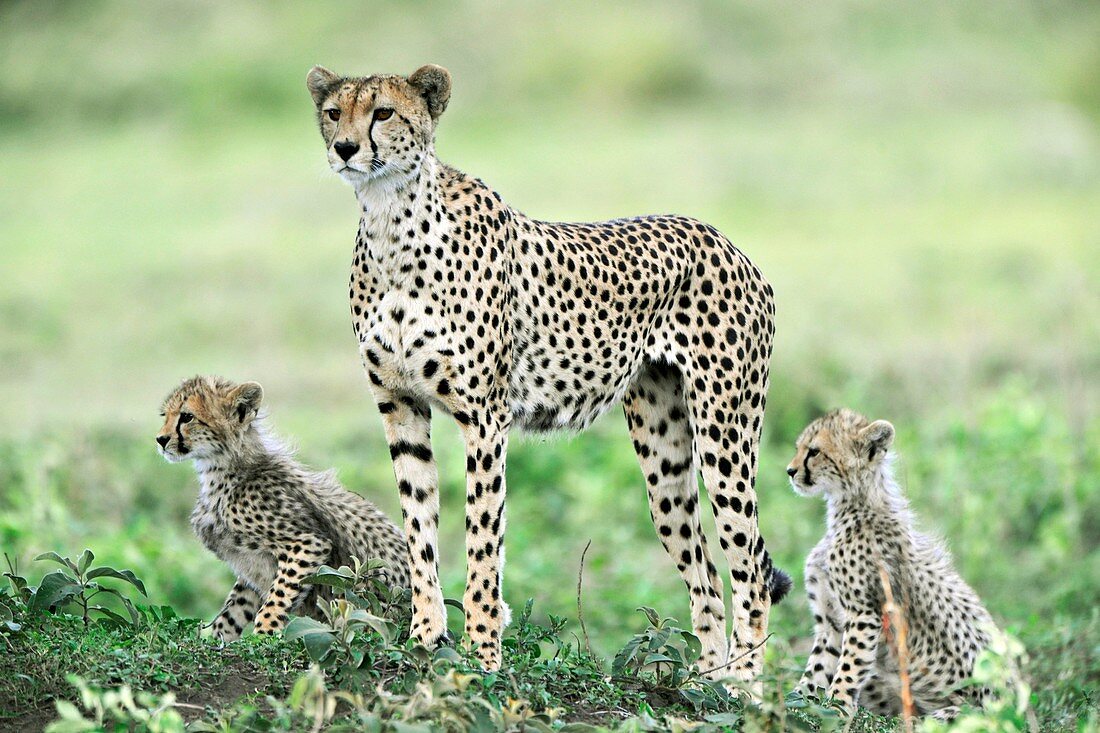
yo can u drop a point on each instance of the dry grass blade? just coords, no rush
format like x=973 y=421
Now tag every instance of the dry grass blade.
x=580 y=610
x=897 y=628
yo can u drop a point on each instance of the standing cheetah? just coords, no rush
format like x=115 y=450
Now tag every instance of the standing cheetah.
x=271 y=519
x=461 y=302
x=845 y=457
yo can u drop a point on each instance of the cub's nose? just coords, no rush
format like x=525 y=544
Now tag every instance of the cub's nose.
x=163 y=440
x=345 y=149
x=791 y=470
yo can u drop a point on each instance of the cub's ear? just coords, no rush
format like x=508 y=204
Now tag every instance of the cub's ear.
x=877 y=437
x=434 y=85
x=245 y=400
x=320 y=81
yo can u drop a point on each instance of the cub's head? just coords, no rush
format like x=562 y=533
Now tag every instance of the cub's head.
x=838 y=452
x=206 y=417
x=378 y=127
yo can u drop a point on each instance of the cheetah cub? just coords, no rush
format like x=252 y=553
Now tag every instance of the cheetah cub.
x=271 y=519
x=845 y=457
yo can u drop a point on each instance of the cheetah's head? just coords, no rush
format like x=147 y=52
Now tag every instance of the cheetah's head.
x=207 y=417
x=837 y=452
x=378 y=127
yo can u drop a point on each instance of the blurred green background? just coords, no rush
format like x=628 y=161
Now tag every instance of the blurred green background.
x=920 y=183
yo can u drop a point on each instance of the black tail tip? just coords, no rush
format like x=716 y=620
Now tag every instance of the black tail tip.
x=779 y=585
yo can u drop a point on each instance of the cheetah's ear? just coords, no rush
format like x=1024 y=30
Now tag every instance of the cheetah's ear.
x=245 y=400
x=434 y=85
x=320 y=82
x=877 y=437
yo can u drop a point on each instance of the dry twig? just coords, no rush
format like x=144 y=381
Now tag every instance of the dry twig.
x=580 y=610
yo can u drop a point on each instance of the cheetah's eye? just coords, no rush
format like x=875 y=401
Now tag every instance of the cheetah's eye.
x=812 y=452
x=383 y=113
x=186 y=417
x=333 y=114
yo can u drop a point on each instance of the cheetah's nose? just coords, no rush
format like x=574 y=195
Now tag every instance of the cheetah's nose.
x=791 y=471
x=345 y=149
x=163 y=440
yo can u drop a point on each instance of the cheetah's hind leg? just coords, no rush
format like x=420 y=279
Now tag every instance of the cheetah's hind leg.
x=657 y=417
x=726 y=429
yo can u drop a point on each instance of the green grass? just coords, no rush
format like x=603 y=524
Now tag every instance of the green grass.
x=918 y=183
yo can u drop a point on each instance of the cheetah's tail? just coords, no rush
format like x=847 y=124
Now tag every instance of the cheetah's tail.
x=779 y=584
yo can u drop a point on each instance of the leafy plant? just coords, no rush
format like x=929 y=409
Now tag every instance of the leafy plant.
x=670 y=654
x=120 y=708
x=76 y=585
x=663 y=643
x=366 y=601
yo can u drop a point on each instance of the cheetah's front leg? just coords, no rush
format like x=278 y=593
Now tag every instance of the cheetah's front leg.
x=237 y=612
x=302 y=557
x=859 y=647
x=486 y=612
x=407 y=422
x=822 y=663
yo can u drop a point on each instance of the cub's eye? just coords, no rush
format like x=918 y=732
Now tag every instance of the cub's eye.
x=333 y=114
x=186 y=417
x=812 y=452
x=383 y=113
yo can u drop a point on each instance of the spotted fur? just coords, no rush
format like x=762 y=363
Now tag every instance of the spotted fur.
x=461 y=302
x=848 y=459
x=270 y=518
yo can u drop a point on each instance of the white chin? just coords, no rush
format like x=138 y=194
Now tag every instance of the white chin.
x=802 y=490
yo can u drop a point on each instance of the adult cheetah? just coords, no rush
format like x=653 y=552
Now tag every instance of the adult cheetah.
x=869 y=526
x=461 y=302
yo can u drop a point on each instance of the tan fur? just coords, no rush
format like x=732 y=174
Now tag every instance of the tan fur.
x=268 y=517
x=461 y=302
x=848 y=459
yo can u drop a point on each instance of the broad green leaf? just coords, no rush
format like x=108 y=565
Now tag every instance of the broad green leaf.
x=730 y=719
x=55 y=588
x=18 y=583
x=386 y=629
x=654 y=657
x=54 y=557
x=300 y=625
x=135 y=617
x=110 y=615
x=318 y=644
x=449 y=654
x=337 y=578
x=659 y=639
x=127 y=575
x=317 y=637
x=692 y=647
x=654 y=619
x=84 y=561
x=626 y=655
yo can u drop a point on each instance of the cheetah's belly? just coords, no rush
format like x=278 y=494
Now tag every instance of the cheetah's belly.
x=565 y=379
